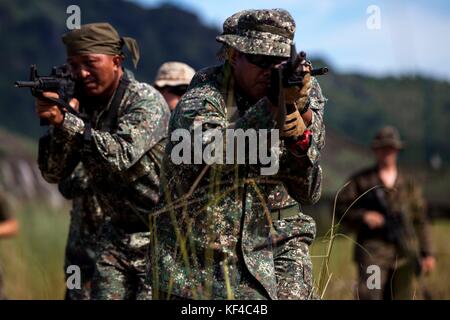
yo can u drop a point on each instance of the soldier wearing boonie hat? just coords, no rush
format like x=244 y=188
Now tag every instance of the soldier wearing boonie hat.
x=117 y=137
x=292 y=261
x=386 y=209
x=265 y=32
x=387 y=137
x=228 y=252
x=172 y=80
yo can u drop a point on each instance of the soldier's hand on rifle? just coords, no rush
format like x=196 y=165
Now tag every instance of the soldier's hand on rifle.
x=373 y=219
x=428 y=264
x=49 y=111
x=297 y=99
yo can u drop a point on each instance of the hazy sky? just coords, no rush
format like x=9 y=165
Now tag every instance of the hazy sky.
x=413 y=36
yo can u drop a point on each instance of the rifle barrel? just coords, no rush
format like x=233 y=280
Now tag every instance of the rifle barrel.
x=25 y=84
x=319 y=72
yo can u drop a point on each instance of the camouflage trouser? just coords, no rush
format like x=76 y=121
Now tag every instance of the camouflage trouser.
x=396 y=275
x=293 y=266
x=120 y=268
x=84 y=293
x=81 y=254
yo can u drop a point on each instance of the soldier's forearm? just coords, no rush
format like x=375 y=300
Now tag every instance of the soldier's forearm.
x=121 y=150
x=58 y=156
x=424 y=237
x=9 y=228
x=306 y=189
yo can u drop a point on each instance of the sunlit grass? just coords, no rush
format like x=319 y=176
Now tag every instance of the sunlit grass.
x=33 y=262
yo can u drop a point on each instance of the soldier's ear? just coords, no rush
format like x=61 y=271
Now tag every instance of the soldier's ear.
x=117 y=61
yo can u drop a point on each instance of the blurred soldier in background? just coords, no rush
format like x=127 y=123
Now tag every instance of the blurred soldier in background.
x=86 y=218
x=390 y=221
x=8 y=228
x=172 y=80
x=119 y=139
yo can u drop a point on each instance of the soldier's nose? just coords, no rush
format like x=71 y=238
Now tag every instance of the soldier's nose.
x=84 y=74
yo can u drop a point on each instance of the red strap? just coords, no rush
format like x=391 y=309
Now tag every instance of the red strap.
x=303 y=142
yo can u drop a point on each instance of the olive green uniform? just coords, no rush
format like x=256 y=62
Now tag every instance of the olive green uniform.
x=397 y=246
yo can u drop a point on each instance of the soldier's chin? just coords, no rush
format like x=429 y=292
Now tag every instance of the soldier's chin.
x=92 y=90
x=259 y=92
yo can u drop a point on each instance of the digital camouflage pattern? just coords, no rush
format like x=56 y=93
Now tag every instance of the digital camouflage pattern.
x=292 y=261
x=293 y=265
x=122 y=160
x=374 y=248
x=86 y=218
x=266 y=32
x=121 y=265
x=220 y=246
x=230 y=24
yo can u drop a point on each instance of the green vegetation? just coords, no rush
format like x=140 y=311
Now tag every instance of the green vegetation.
x=32 y=263
x=343 y=271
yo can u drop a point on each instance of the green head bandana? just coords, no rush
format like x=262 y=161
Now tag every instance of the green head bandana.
x=99 y=38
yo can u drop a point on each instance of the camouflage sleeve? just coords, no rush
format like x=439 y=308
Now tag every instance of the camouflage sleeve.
x=317 y=105
x=303 y=181
x=58 y=154
x=74 y=185
x=205 y=110
x=257 y=117
x=142 y=126
x=304 y=171
x=421 y=221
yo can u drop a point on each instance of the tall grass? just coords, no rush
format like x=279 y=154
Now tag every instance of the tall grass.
x=344 y=273
x=32 y=263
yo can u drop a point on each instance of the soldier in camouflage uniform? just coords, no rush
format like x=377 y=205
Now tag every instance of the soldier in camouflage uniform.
x=119 y=139
x=86 y=219
x=390 y=221
x=172 y=80
x=8 y=227
x=215 y=239
x=292 y=261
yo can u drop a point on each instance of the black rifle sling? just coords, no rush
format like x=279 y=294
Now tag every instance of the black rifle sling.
x=111 y=119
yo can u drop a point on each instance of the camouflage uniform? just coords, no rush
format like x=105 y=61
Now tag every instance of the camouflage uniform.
x=398 y=259
x=292 y=260
x=86 y=218
x=122 y=162
x=293 y=266
x=219 y=243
